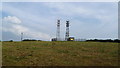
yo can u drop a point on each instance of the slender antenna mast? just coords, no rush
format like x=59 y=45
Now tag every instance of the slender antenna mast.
x=21 y=36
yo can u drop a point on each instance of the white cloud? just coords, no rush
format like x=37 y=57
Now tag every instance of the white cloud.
x=12 y=24
x=28 y=15
x=11 y=19
x=72 y=10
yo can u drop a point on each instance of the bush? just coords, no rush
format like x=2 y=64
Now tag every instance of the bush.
x=11 y=41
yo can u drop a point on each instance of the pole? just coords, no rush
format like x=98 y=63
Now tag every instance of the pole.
x=21 y=36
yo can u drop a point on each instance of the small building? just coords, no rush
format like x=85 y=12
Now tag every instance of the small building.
x=54 y=39
x=71 y=39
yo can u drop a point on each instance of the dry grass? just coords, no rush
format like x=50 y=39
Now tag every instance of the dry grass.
x=37 y=53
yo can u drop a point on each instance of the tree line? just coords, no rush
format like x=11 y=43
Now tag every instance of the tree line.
x=107 y=40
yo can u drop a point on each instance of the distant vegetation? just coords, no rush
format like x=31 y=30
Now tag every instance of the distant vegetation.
x=91 y=40
x=41 y=53
x=31 y=40
x=107 y=40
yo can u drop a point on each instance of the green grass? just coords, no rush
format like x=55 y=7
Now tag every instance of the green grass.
x=41 y=53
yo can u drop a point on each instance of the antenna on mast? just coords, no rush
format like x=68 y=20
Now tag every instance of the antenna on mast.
x=21 y=36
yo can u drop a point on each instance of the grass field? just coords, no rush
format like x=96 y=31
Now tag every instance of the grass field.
x=41 y=53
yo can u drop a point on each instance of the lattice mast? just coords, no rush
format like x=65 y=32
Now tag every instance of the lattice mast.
x=67 y=31
x=21 y=36
x=58 y=31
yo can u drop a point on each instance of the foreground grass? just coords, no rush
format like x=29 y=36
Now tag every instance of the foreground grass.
x=37 y=53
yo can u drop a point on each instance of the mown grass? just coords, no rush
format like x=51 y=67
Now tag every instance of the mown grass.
x=41 y=53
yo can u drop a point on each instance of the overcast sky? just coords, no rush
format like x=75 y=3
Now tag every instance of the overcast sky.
x=37 y=20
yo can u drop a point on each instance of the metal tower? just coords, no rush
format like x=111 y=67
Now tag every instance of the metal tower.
x=58 y=31
x=67 y=30
x=21 y=36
